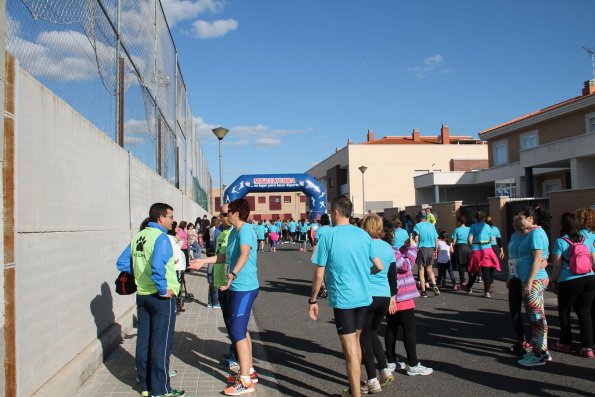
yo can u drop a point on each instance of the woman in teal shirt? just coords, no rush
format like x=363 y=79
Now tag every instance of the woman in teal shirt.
x=574 y=290
x=380 y=291
x=242 y=284
x=462 y=250
x=532 y=251
x=586 y=220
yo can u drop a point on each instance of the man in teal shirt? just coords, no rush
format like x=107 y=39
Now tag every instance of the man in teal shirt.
x=345 y=255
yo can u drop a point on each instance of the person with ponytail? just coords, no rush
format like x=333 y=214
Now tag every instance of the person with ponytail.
x=574 y=290
x=532 y=252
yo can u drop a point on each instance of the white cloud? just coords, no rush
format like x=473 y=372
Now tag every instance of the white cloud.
x=208 y=30
x=134 y=126
x=179 y=10
x=203 y=128
x=259 y=135
x=61 y=55
x=429 y=65
x=133 y=140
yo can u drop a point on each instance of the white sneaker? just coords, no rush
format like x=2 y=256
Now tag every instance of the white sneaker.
x=386 y=377
x=391 y=366
x=402 y=365
x=419 y=370
x=374 y=386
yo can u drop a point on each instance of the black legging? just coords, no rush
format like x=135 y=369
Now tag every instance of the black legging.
x=405 y=319
x=577 y=293
x=515 y=304
x=371 y=345
x=488 y=278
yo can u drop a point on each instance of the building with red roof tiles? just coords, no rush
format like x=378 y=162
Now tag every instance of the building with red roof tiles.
x=390 y=165
x=529 y=156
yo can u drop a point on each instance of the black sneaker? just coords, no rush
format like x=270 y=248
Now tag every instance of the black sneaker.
x=424 y=294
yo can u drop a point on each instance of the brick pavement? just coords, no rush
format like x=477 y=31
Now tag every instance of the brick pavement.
x=200 y=344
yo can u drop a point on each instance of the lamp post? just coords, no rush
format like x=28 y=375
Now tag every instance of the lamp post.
x=363 y=169
x=298 y=205
x=220 y=133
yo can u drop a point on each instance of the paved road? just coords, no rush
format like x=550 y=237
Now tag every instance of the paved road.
x=464 y=338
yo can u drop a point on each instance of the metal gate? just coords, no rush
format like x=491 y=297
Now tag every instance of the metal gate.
x=469 y=210
x=514 y=205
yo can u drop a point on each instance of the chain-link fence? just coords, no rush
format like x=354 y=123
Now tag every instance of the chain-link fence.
x=115 y=62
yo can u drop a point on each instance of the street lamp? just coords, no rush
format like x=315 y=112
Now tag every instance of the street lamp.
x=220 y=133
x=363 y=169
x=298 y=205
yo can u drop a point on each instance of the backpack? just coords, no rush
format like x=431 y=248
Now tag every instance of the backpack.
x=579 y=260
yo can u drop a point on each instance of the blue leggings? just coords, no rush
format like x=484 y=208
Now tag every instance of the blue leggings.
x=240 y=305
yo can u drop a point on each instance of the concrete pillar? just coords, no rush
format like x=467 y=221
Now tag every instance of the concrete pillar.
x=436 y=193
x=529 y=192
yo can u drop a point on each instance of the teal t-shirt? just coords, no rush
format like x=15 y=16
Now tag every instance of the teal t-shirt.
x=461 y=234
x=561 y=247
x=513 y=254
x=260 y=230
x=427 y=234
x=379 y=281
x=292 y=227
x=589 y=238
x=346 y=253
x=495 y=234
x=400 y=237
x=273 y=229
x=535 y=240
x=481 y=232
x=247 y=279
x=322 y=230
x=303 y=227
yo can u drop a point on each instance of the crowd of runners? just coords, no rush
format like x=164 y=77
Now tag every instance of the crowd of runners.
x=366 y=270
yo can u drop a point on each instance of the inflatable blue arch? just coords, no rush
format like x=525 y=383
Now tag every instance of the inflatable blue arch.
x=280 y=183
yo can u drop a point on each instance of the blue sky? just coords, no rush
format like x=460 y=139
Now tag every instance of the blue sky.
x=293 y=80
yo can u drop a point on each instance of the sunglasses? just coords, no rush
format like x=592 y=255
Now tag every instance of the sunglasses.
x=223 y=213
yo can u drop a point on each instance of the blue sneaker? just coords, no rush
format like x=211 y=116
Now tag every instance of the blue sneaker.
x=531 y=360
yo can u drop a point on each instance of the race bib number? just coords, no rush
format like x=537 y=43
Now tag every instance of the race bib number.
x=512 y=268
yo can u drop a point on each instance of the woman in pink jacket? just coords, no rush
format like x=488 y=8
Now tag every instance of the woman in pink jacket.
x=401 y=312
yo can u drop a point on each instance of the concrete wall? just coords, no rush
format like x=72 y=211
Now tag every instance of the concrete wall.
x=80 y=199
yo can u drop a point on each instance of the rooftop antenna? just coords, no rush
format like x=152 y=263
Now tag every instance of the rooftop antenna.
x=590 y=51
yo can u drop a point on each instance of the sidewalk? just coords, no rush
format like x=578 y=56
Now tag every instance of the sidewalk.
x=199 y=346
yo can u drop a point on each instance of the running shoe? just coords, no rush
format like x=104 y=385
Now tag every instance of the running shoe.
x=145 y=393
x=436 y=290
x=531 y=360
x=562 y=347
x=172 y=373
x=402 y=365
x=386 y=377
x=487 y=295
x=456 y=287
x=234 y=378
x=547 y=356
x=173 y=393
x=419 y=370
x=374 y=386
x=391 y=366
x=587 y=353
x=424 y=294
x=239 y=388
x=468 y=290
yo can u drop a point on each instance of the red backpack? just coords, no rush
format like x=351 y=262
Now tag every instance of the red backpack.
x=579 y=260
